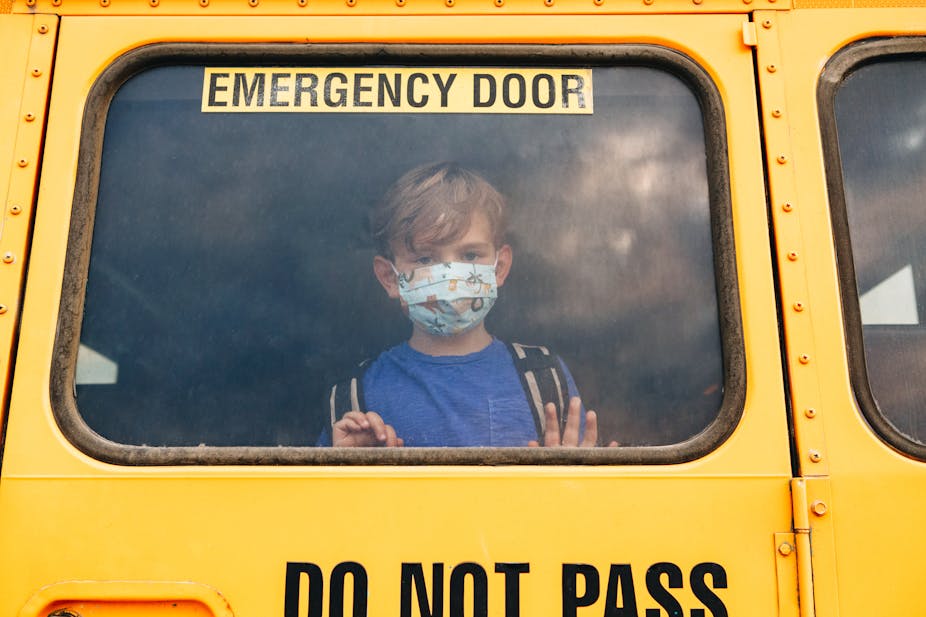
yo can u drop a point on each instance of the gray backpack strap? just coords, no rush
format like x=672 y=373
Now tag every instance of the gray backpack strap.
x=543 y=381
x=347 y=395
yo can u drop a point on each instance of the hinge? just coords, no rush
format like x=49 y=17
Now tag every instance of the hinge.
x=801 y=523
x=750 y=35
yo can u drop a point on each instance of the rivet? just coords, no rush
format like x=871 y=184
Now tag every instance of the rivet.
x=154 y=3
x=499 y=2
x=3 y=309
x=810 y=412
x=30 y=2
x=804 y=359
x=56 y=2
x=782 y=159
x=400 y=2
x=351 y=2
x=776 y=113
x=29 y=117
x=819 y=508
x=305 y=2
x=549 y=2
x=648 y=2
x=747 y=1
x=449 y=2
x=36 y=72
x=104 y=2
x=787 y=206
x=204 y=3
x=815 y=456
x=771 y=68
x=698 y=1
x=253 y=3
x=792 y=255
x=22 y=162
x=43 y=29
x=8 y=258
x=15 y=209
x=785 y=549
x=798 y=307
x=767 y=24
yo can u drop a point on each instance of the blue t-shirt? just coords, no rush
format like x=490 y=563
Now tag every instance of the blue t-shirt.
x=471 y=400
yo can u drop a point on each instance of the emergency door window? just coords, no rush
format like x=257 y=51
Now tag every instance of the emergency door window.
x=233 y=276
x=879 y=106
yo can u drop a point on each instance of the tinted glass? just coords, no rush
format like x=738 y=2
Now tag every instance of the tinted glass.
x=230 y=280
x=881 y=121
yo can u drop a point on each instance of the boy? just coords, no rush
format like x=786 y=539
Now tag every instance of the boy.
x=440 y=236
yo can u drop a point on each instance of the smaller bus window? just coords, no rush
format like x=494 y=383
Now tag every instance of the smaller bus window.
x=879 y=107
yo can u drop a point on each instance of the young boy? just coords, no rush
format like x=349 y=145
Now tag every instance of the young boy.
x=440 y=236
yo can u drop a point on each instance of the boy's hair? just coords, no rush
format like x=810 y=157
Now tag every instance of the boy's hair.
x=434 y=204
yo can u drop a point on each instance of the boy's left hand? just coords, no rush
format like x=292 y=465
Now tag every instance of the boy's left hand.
x=570 y=436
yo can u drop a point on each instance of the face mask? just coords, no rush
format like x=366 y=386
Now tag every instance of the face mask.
x=448 y=298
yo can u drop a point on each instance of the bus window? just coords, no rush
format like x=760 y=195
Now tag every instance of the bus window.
x=876 y=94
x=230 y=277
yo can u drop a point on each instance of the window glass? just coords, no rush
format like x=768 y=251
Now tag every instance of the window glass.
x=231 y=278
x=880 y=111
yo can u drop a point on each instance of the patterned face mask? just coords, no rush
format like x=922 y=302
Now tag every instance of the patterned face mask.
x=448 y=298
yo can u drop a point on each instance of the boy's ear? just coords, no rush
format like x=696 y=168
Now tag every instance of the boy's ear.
x=503 y=266
x=382 y=268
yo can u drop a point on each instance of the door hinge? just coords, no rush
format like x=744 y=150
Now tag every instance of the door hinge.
x=750 y=35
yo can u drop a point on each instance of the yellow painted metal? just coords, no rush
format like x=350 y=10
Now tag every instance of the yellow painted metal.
x=786 y=561
x=66 y=517
x=263 y=8
x=875 y=502
x=28 y=43
x=119 y=598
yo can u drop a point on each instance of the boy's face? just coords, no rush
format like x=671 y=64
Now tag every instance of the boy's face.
x=476 y=245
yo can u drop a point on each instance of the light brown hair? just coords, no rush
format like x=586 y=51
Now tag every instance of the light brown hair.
x=434 y=204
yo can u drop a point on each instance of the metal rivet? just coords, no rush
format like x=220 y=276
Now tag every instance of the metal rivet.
x=815 y=456
x=771 y=68
x=22 y=162
x=104 y=2
x=798 y=307
x=449 y=2
x=499 y=2
x=400 y=2
x=43 y=29
x=698 y=1
x=598 y=2
x=306 y=2
x=203 y=3
x=648 y=2
x=792 y=255
x=782 y=159
x=776 y=113
x=56 y=2
x=351 y=2
x=819 y=508
x=154 y=2
x=36 y=72
x=810 y=412
x=549 y=2
x=767 y=23
x=747 y=1
x=3 y=309
x=8 y=258
x=15 y=209
x=804 y=359
x=29 y=117
x=785 y=549
x=30 y=2
x=787 y=206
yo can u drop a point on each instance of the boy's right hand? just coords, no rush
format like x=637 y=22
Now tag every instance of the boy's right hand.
x=364 y=430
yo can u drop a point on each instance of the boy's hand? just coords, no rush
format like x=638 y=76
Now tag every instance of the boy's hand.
x=358 y=430
x=570 y=436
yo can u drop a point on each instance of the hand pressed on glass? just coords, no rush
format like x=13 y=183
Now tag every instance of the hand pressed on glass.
x=571 y=434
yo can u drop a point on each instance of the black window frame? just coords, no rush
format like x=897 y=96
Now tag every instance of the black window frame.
x=62 y=388
x=842 y=64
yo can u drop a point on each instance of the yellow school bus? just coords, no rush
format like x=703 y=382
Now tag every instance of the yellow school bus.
x=713 y=208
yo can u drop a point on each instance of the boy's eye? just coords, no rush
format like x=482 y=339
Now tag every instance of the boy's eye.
x=470 y=256
x=423 y=260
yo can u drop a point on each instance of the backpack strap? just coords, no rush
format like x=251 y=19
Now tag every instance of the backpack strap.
x=544 y=382
x=347 y=395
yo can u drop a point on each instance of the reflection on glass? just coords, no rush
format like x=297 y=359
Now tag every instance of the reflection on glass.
x=881 y=122
x=231 y=272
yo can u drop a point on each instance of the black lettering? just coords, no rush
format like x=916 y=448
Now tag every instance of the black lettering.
x=298 y=89
x=478 y=78
x=659 y=593
x=276 y=88
x=444 y=88
x=410 y=95
x=577 y=90
x=294 y=572
x=359 y=89
x=256 y=87
x=571 y=600
x=480 y=590
x=513 y=572
x=413 y=576
x=336 y=599
x=551 y=91
x=506 y=91
x=703 y=593
x=214 y=87
x=341 y=101
x=620 y=577
x=393 y=90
